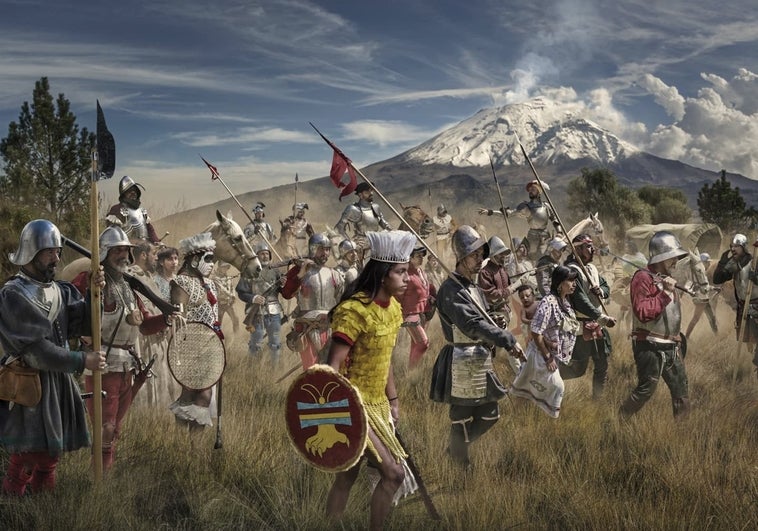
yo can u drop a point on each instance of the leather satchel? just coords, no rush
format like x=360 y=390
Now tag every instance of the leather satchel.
x=20 y=384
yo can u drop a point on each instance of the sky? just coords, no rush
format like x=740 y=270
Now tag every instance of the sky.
x=238 y=81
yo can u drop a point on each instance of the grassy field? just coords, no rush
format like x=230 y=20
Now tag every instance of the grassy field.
x=585 y=470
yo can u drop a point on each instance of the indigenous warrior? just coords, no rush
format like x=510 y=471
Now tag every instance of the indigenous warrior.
x=128 y=214
x=497 y=289
x=348 y=262
x=124 y=318
x=197 y=293
x=225 y=289
x=444 y=226
x=595 y=342
x=657 y=343
x=416 y=302
x=167 y=266
x=298 y=227
x=553 y=330
x=364 y=215
x=463 y=374
x=735 y=265
x=365 y=326
x=160 y=388
x=318 y=288
x=538 y=215
x=263 y=311
x=38 y=316
x=547 y=263
x=259 y=230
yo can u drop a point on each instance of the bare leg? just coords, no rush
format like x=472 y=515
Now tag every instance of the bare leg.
x=336 y=501
x=392 y=476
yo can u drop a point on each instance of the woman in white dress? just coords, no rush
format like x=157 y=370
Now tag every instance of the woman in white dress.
x=553 y=330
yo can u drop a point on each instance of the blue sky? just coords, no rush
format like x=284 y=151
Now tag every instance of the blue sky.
x=238 y=80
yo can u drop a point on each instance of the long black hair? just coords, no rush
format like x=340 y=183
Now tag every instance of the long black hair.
x=369 y=282
x=561 y=273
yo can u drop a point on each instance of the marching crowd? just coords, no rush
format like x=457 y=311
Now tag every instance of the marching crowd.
x=351 y=299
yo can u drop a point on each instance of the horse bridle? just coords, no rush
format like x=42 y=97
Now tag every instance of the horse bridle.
x=240 y=250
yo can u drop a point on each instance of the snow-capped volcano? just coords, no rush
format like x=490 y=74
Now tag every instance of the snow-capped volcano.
x=549 y=132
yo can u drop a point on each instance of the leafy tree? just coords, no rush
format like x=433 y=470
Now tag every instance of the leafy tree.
x=723 y=205
x=597 y=190
x=47 y=162
x=668 y=205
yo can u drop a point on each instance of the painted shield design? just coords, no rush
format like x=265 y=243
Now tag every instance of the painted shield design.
x=326 y=420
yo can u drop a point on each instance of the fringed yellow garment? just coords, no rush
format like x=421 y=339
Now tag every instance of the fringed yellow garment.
x=379 y=416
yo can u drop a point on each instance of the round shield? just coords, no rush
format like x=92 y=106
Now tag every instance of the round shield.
x=196 y=356
x=326 y=420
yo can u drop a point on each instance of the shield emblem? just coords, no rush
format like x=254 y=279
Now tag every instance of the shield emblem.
x=326 y=420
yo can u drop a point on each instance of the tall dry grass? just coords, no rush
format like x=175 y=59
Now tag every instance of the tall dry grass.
x=585 y=470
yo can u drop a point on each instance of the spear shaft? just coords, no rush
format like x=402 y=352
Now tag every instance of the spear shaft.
x=502 y=207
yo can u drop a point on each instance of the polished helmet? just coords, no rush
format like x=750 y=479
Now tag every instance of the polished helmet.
x=316 y=242
x=497 y=246
x=114 y=236
x=35 y=236
x=556 y=244
x=262 y=246
x=345 y=247
x=126 y=183
x=664 y=245
x=466 y=240
x=441 y=210
x=259 y=208
x=740 y=239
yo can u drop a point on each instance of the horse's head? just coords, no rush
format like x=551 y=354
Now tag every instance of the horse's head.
x=415 y=218
x=232 y=246
x=700 y=284
x=597 y=232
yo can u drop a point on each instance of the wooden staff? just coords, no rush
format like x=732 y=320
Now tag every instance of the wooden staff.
x=103 y=164
x=505 y=214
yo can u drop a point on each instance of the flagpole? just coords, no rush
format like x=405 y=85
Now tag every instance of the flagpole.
x=216 y=176
x=103 y=165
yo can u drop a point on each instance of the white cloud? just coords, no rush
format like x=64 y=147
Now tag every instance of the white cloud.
x=666 y=96
x=383 y=132
x=247 y=135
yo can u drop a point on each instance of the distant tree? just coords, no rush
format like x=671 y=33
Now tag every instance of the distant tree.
x=47 y=161
x=618 y=207
x=723 y=205
x=668 y=205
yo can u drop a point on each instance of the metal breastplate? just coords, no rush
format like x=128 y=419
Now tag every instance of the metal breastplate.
x=540 y=215
x=741 y=283
x=135 y=222
x=369 y=220
x=442 y=225
x=299 y=228
x=669 y=323
x=318 y=290
x=126 y=335
x=264 y=285
x=349 y=272
x=198 y=307
x=44 y=295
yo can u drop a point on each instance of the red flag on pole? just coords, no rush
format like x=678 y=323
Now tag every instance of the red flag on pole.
x=214 y=171
x=341 y=164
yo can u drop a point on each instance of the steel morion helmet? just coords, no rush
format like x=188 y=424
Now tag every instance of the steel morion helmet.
x=126 y=183
x=345 y=247
x=317 y=241
x=262 y=246
x=441 y=210
x=497 y=246
x=664 y=245
x=114 y=236
x=35 y=236
x=466 y=240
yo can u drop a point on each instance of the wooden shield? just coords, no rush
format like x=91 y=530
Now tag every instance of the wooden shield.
x=196 y=356
x=326 y=420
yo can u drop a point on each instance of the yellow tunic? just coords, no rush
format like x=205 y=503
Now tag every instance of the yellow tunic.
x=373 y=330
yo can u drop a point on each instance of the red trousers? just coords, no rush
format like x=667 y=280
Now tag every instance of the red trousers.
x=35 y=468
x=118 y=389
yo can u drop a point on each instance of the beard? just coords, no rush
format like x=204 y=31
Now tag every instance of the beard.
x=320 y=260
x=132 y=203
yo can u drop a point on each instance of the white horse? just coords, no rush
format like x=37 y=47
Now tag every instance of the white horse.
x=594 y=227
x=690 y=273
